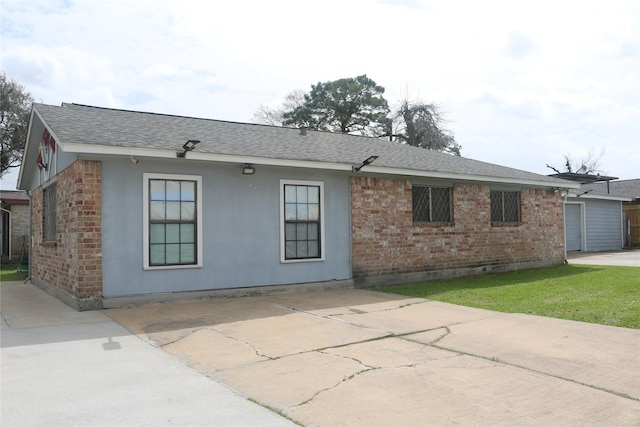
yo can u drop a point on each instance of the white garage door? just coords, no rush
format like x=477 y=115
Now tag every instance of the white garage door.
x=573 y=226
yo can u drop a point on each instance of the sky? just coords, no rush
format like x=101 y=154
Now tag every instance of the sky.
x=522 y=83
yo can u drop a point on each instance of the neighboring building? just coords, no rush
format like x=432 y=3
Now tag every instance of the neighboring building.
x=122 y=212
x=626 y=189
x=14 y=226
x=593 y=214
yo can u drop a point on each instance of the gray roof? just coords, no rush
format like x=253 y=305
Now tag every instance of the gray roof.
x=624 y=188
x=73 y=123
x=10 y=196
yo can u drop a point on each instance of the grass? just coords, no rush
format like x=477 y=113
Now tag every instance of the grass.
x=594 y=294
x=8 y=273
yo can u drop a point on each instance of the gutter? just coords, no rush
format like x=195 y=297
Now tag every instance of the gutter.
x=90 y=151
x=28 y=278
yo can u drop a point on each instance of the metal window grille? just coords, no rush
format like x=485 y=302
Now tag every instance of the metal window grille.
x=49 y=223
x=505 y=206
x=431 y=204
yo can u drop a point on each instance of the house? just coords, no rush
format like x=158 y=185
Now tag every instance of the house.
x=593 y=215
x=132 y=206
x=14 y=225
x=629 y=191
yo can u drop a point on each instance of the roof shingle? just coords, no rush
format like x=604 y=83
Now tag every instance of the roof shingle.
x=73 y=123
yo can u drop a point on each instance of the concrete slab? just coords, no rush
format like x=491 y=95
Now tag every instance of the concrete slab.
x=285 y=382
x=87 y=370
x=361 y=358
x=463 y=390
x=601 y=356
x=626 y=258
x=296 y=333
x=208 y=350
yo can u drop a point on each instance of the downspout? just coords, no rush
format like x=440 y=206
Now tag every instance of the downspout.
x=564 y=224
x=9 y=228
x=28 y=278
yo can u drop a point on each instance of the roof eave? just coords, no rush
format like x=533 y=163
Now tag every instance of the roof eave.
x=92 y=149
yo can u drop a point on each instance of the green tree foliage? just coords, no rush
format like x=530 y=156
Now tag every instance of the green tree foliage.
x=422 y=125
x=15 y=109
x=349 y=105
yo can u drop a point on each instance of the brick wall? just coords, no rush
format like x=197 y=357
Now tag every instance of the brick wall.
x=71 y=266
x=386 y=242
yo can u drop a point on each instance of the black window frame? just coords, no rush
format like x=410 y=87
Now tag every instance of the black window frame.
x=292 y=226
x=506 y=206
x=49 y=213
x=194 y=221
x=425 y=206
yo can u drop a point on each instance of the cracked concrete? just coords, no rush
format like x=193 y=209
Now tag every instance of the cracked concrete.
x=353 y=357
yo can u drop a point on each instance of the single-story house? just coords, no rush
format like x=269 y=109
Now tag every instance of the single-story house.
x=628 y=190
x=128 y=205
x=14 y=225
x=593 y=214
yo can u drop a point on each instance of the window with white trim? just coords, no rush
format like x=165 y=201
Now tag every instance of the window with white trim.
x=505 y=206
x=172 y=214
x=302 y=220
x=431 y=204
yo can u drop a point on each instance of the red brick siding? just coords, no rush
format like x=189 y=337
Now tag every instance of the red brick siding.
x=386 y=241
x=73 y=263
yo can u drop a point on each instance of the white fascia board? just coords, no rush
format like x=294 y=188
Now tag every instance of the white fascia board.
x=59 y=144
x=599 y=197
x=473 y=178
x=309 y=164
x=26 y=147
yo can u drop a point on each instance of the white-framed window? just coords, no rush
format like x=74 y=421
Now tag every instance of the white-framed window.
x=431 y=204
x=505 y=206
x=301 y=221
x=172 y=213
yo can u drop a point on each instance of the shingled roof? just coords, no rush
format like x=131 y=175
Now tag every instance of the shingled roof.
x=86 y=129
x=624 y=188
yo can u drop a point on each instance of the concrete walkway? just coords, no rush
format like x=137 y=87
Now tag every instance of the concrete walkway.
x=360 y=358
x=59 y=367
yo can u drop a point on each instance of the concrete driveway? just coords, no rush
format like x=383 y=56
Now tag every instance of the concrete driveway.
x=626 y=258
x=60 y=367
x=361 y=358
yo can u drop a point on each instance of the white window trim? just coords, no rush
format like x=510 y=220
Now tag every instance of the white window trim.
x=320 y=184
x=145 y=218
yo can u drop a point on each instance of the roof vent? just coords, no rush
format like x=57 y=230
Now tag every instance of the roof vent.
x=303 y=131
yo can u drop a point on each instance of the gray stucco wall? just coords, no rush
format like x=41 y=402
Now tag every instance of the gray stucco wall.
x=241 y=224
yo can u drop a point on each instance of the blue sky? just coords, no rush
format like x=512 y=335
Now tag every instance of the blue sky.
x=522 y=83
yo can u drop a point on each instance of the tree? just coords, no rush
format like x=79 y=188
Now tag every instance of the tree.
x=421 y=125
x=588 y=166
x=274 y=115
x=349 y=105
x=15 y=109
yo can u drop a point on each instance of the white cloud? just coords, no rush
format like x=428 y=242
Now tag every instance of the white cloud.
x=522 y=82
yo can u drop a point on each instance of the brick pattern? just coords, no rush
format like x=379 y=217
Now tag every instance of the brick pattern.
x=73 y=263
x=19 y=231
x=386 y=241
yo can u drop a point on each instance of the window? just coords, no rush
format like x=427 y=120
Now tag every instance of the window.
x=172 y=212
x=505 y=206
x=49 y=208
x=431 y=204
x=302 y=205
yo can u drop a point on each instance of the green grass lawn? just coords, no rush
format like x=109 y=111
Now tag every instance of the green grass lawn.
x=8 y=273
x=595 y=294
